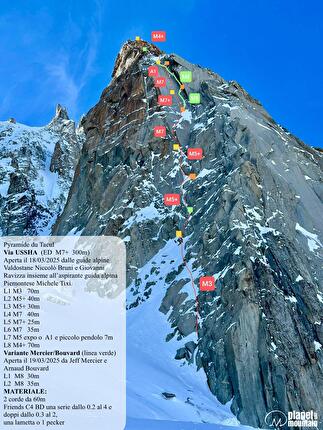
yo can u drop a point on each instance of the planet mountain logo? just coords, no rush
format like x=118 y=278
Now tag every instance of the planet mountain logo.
x=277 y=419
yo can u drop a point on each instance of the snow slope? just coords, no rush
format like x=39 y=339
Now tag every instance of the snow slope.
x=152 y=370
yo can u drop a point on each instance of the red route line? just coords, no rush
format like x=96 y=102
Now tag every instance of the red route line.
x=182 y=249
x=181 y=246
x=197 y=305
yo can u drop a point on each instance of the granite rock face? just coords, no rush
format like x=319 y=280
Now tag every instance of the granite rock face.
x=256 y=227
x=37 y=168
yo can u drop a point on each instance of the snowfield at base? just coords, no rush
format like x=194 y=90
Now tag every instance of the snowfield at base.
x=152 y=370
x=142 y=424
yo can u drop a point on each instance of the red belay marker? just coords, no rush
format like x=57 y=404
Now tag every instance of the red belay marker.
x=160 y=131
x=158 y=36
x=172 y=199
x=165 y=100
x=160 y=81
x=153 y=71
x=194 y=153
x=207 y=283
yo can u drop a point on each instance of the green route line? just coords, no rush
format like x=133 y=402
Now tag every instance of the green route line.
x=181 y=245
x=179 y=83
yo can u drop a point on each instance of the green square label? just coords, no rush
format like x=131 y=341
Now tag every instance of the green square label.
x=190 y=210
x=145 y=49
x=195 y=98
x=185 y=76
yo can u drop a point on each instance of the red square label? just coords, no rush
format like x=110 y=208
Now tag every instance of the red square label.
x=152 y=71
x=172 y=199
x=158 y=36
x=194 y=153
x=160 y=131
x=207 y=283
x=165 y=100
x=160 y=82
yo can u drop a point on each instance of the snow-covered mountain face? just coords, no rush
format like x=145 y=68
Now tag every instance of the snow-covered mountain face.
x=37 y=165
x=256 y=227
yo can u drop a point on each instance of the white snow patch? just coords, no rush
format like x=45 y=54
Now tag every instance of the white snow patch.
x=187 y=115
x=253 y=213
x=204 y=172
x=320 y=298
x=263 y=126
x=317 y=346
x=199 y=126
x=292 y=299
x=266 y=230
x=237 y=251
x=313 y=242
x=147 y=213
x=274 y=346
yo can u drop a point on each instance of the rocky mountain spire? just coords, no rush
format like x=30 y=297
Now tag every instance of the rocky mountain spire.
x=131 y=52
x=61 y=112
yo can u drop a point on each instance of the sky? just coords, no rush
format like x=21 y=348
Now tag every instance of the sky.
x=63 y=52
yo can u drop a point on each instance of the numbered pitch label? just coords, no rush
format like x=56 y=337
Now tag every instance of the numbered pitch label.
x=165 y=100
x=158 y=36
x=172 y=199
x=195 y=153
x=194 y=98
x=160 y=82
x=160 y=131
x=207 y=283
x=185 y=76
x=153 y=71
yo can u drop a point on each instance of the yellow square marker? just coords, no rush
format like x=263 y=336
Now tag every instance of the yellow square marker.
x=157 y=61
x=179 y=233
x=182 y=109
x=172 y=92
x=192 y=175
x=137 y=37
x=166 y=63
x=182 y=87
x=176 y=147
